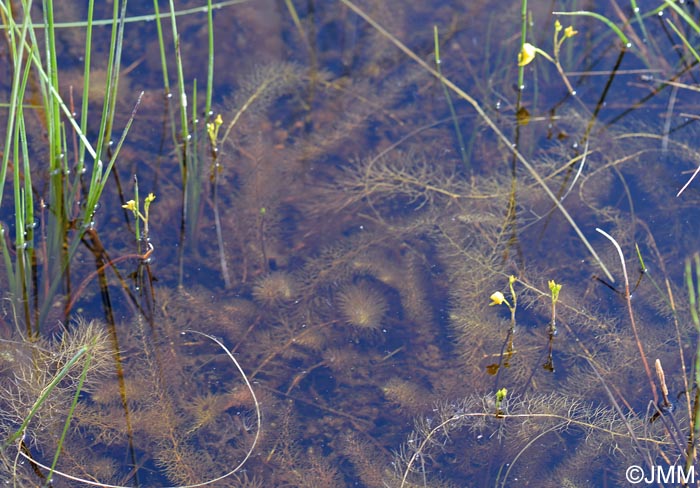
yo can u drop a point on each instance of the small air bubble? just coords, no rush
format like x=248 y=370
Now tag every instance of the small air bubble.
x=636 y=10
x=661 y=14
x=498 y=105
x=573 y=93
x=628 y=45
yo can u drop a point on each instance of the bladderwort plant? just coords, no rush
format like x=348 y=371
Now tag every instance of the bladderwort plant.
x=528 y=52
x=134 y=207
x=497 y=298
x=554 y=289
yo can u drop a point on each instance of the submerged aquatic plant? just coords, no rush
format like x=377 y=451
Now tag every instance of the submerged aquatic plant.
x=362 y=306
x=334 y=206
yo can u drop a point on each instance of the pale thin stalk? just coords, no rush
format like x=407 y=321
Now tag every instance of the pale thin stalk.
x=628 y=299
x=139 y=18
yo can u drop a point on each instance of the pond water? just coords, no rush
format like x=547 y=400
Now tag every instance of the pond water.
x=342 y=238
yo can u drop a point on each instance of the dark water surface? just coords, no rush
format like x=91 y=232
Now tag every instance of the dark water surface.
x=344 y=242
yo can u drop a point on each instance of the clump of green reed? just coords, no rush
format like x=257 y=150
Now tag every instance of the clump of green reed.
x=34 y=279
x=38 y=265
x=187 y=137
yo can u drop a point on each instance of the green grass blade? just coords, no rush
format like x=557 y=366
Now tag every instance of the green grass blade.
x=210 y=63
x=453 y=113
x=18 y=41
x=69 y=417
x=161 y=47
x=684 y=39
x=523 y=39
x=684 y=15
x=638 y=16
x=86 y=86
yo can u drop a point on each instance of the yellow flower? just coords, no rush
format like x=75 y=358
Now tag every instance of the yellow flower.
x=130 y=205
x=497 y=298
x=570 y=32
x=527 y=54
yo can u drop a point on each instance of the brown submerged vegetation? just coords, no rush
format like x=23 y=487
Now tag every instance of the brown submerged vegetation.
x=362 y=255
